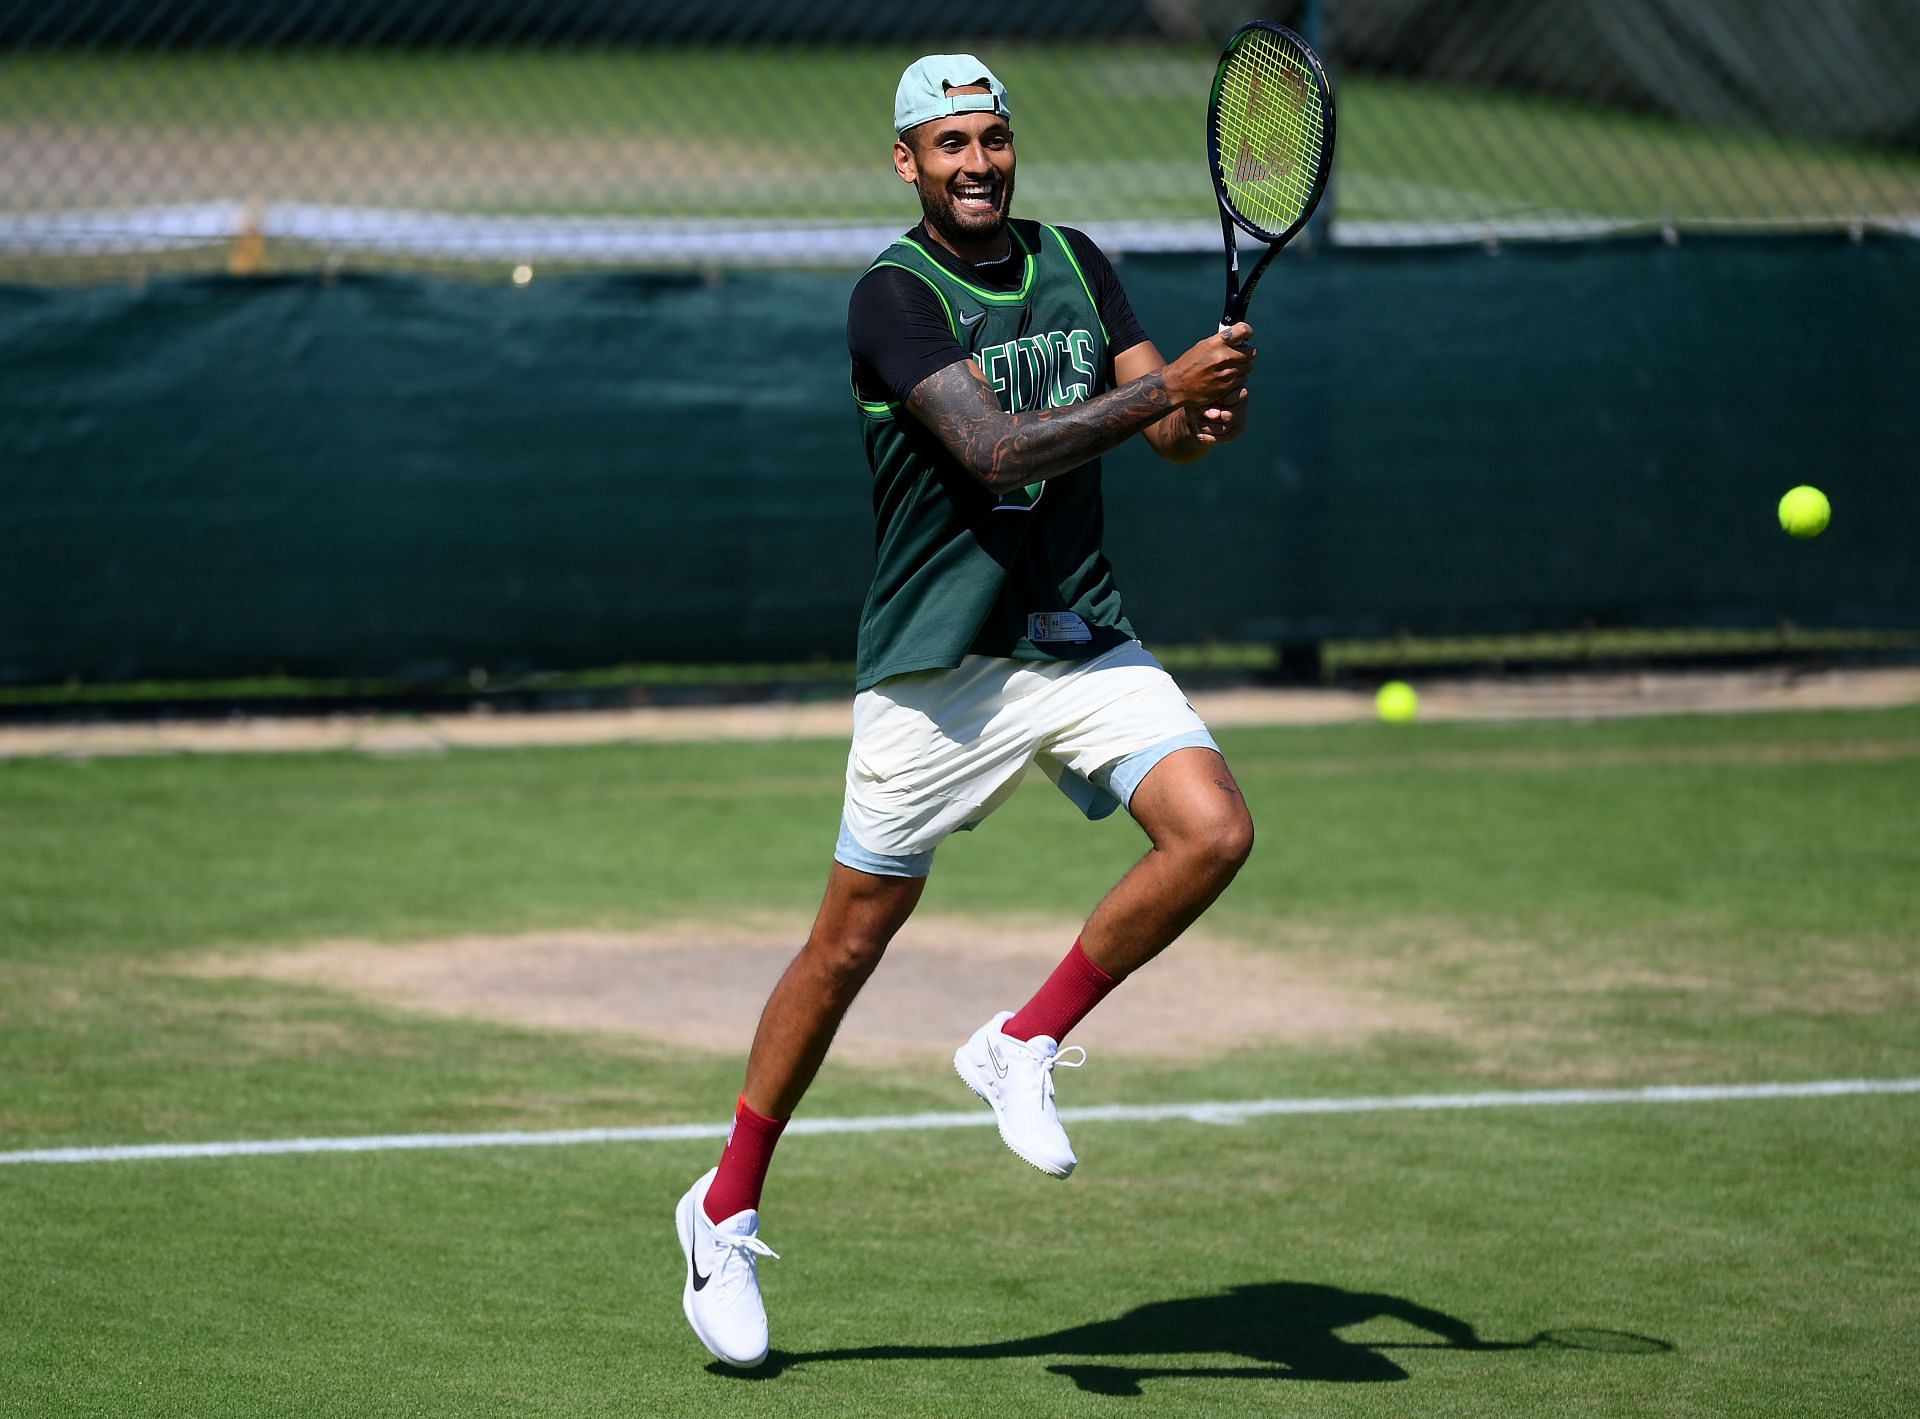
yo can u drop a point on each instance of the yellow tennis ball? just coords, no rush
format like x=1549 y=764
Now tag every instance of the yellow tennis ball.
x=1397 y=702
x=1805 y=512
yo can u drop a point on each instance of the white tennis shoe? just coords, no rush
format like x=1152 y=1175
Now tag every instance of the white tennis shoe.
x=1016 y=1078
x=722 y=1294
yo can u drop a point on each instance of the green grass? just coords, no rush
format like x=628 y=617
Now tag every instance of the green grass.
x=1688 y=900
x=1597 y=648
x=1427 y=152
x=1765 y=1250
x=1110 y=132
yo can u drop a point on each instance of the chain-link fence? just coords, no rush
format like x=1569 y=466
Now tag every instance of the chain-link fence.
x=483 y=135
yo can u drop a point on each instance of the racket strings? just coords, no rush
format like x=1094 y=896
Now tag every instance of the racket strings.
x=1272 y=133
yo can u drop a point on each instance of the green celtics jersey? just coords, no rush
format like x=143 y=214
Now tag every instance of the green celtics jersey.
x=959 y=570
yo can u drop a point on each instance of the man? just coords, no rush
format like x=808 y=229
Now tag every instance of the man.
x=994 y=361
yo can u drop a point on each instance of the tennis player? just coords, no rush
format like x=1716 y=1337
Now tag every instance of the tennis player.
x=994 y=361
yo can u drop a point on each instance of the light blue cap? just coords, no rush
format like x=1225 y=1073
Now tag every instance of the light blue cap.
x=923 y=93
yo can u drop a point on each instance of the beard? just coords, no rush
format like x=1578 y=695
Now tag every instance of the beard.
x=945 y=217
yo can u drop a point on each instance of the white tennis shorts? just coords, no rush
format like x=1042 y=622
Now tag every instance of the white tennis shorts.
x=935 y=752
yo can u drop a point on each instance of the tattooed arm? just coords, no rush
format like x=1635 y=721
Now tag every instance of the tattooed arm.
x=1006 y=451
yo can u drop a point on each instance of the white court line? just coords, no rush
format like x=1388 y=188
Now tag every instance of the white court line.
x=1228 y=1112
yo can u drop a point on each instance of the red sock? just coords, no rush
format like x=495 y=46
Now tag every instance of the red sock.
x=743 y=1164
x=1074 y=988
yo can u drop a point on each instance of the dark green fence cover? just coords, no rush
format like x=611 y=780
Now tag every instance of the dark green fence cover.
x=399 y=477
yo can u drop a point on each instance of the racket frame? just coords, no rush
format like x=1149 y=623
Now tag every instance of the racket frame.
x=1238 y=294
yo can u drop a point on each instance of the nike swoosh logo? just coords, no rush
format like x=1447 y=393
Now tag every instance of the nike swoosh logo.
x=699 y=1281
x=998 y=1066
x=967 y=322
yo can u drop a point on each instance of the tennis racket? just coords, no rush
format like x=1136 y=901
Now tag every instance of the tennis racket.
x=1269 y=143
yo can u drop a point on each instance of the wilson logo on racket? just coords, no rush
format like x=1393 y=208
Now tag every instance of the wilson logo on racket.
x=1270 y=146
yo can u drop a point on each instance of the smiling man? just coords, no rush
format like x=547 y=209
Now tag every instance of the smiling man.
x=994 y=361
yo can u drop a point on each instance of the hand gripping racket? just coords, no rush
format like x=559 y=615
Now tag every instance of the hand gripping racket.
x=1269 y=144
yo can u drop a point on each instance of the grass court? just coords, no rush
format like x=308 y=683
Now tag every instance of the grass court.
x=1693 y=901
x=1108 y=132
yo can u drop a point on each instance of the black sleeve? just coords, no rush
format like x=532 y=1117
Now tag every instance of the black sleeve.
x=1124 y=330
x=897 y=333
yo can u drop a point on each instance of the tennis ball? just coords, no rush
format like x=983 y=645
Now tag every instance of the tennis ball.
x=1397 y=702
x=1805 y=512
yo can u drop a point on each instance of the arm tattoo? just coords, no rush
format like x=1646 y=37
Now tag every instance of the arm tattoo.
x=1173 y=438
x=1006 y=451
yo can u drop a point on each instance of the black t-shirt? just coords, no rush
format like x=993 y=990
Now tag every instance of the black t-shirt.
x=897 y=330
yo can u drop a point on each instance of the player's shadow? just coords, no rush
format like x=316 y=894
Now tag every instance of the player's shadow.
x=1288 y=1329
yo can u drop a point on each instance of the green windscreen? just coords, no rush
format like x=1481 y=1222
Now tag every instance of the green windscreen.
x=387 y=477
x=1270 y=124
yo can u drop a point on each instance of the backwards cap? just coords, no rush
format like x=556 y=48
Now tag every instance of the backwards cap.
x=923 y=93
